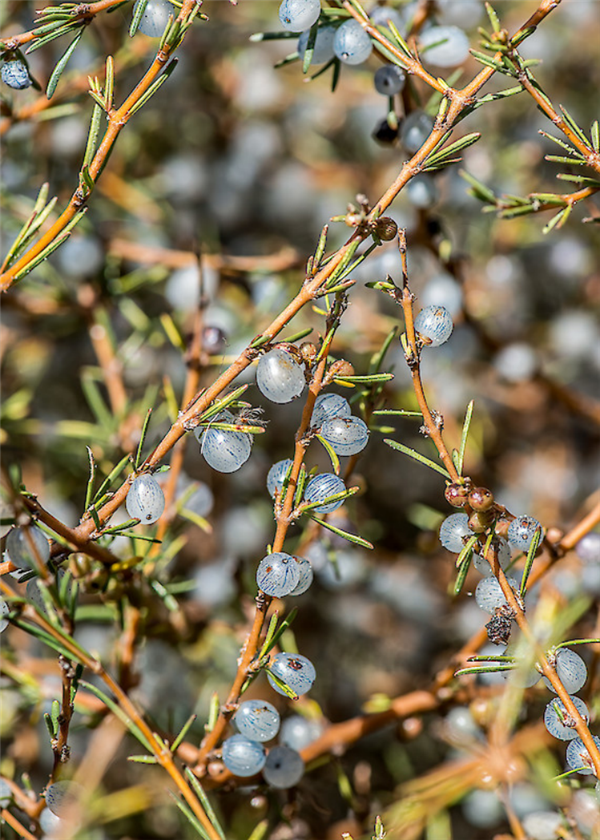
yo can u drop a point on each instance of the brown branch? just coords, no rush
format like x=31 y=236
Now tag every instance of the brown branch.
x=83 y=13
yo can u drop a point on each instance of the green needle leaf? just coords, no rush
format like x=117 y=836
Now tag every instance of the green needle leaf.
x=412 y=453
x=58 y=70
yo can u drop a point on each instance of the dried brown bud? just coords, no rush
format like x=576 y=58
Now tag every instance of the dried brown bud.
x=353 y=219
x=308 y=351
x=341 y=368
x=480 y=522
x=481 y=499
x=289 y=348
x=386 y=228
x=457 y=495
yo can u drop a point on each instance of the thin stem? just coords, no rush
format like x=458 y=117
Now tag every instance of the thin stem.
x=83 y=13
x=414 y=364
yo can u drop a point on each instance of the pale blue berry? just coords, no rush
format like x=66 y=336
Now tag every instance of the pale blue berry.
x=434 y=323
x=389 y=80
x=15 y=74
x=588 y=549
x=155 y=17
x=346 y=435
x=489 y=596
x=27 y=547
x=279 y=376
x=542 y=825
x=328 y=407
x=297 y=732
x=297 y=15
x=296 y=671
x=352 y=45
x=257 y=720
x=422 y=191
x=4 y=611
x=444 y=46
x=323 y=47
x=305 y=578
x=145 y=500
x=578 y=758
x=320 y=488
x=225 y=451
x=60 y=796
x=415 y=130
x=570 y=669
x=276 y=476
x=278 y=574
x=521 y=532
x=455 y=531
x=502 y=549
x=564 y=729
x=243 y=757
x=384 y=15
x=283 y=768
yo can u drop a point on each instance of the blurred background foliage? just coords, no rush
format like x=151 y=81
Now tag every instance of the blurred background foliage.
x=245 y=163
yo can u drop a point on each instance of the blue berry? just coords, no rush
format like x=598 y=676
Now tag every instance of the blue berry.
x=502 y=548
x=578 y=758
x=321 y=487
x=60 y=795
x=588 y=549
x=257 y=720
x=415 y=130
x=489 y=595
x=521 y=532
x=305 y=578
x=422 y=191
x=15 y=74
x=4 y=611
x=279 y=377
x=323 y=47
x=352 y=45
x=570 y=669
x=155 y=18
x=346 y=435
x=434 y=323
x=283 y=768
x=444 y=46
x=453 y=531
x=555 y=726
x=145 y=500
x=225 y=451
x=389 y=80
x=443 y=290
x=297 y=15
x=297 y=732
x=328 y=407
x=384 y=15
x=27 y=547
x=243 y=757
x=296 y=671
x=276 y=476
x=278 y=574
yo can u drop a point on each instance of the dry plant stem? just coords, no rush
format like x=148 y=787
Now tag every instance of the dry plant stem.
x=458 y=99
x=71 y=84
x=71 y=535
x=117 y=120
x=160 y=750
x=84 y=13
x=548 y=671
x=414 y=365
x=570 y=540
x=251 y=645
x=13 y=822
